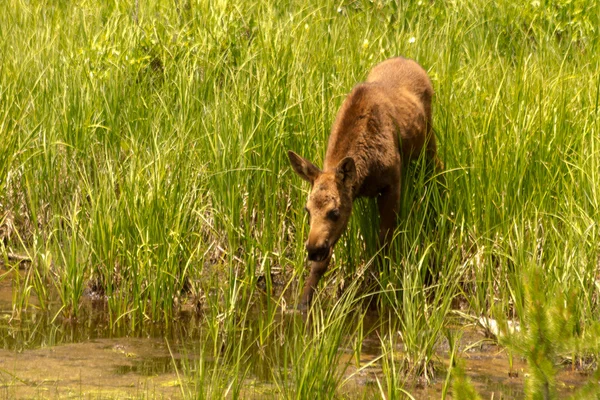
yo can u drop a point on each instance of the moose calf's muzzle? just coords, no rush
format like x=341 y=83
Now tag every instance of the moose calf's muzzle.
x=317 y=253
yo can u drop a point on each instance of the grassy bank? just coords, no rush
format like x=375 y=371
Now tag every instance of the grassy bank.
x=143 y=159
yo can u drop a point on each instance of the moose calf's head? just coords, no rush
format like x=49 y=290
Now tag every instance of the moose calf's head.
x=329 y=203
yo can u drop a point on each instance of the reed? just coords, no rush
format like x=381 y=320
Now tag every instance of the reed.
x=143 y=157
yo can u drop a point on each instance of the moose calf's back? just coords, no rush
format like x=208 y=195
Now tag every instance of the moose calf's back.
x=383 y=121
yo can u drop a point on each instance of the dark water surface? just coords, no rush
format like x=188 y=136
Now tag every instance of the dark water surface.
x=42 y=357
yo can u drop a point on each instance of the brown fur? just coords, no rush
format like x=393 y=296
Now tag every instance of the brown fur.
x=383 y=122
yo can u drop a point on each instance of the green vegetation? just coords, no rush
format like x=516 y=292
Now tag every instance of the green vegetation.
x=143 y=158
x=551 y=333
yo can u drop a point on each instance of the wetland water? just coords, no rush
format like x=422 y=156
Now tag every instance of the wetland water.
x=43 y=357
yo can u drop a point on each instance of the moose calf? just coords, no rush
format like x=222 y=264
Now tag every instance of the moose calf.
x=383 y=122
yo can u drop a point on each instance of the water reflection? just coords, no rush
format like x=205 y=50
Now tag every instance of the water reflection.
x=45 y=329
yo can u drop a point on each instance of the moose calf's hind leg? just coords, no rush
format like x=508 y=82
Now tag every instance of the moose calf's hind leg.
x=389 y=204
x=432 y=154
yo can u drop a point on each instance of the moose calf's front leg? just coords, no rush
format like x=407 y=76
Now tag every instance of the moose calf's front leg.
x=317 y=270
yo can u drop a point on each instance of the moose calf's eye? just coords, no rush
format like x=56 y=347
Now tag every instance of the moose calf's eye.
x=333 y=214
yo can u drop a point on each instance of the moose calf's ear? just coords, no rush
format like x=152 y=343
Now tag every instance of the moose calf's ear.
x=346 y=171
x=304 y=168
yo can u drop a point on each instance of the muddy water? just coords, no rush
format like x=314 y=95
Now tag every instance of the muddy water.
x=114 y=367
x=44 y=358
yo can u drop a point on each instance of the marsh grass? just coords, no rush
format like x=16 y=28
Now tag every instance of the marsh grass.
x=142 y=158
x=551 y=334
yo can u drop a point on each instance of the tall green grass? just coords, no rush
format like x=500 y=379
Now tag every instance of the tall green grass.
x=143 y=157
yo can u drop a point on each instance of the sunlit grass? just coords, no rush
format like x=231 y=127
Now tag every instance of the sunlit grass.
x=143 y=157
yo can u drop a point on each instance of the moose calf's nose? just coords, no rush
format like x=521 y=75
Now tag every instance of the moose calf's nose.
x=317 y=253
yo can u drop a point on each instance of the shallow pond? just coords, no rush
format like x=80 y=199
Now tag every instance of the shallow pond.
x=42 y=357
